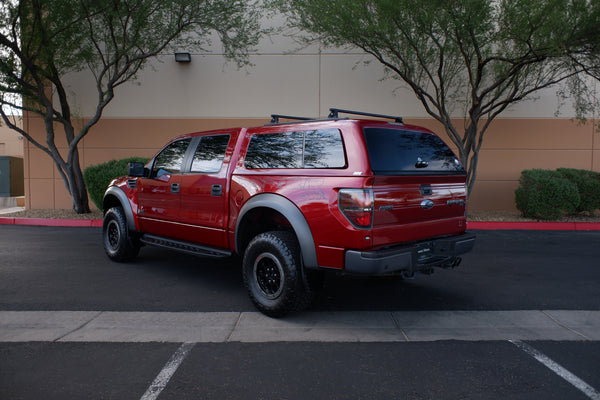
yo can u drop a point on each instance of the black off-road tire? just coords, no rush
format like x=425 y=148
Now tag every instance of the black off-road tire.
x=273 y=274
x=119 y=244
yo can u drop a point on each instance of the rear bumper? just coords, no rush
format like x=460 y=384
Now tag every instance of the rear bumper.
x=409 y=259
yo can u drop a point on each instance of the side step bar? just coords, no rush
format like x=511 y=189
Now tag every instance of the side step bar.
x=184 y=247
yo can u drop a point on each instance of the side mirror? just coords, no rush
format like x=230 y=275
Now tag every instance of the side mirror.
x=136 y=169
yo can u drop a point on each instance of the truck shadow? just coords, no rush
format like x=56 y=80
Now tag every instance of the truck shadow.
x=219 y=282
x=389 y=293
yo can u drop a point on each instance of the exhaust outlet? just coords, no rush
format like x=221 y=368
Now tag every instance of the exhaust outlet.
x=453 y=263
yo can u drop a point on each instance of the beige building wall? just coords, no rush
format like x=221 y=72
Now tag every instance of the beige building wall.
x=170 y=99
x=11 y=143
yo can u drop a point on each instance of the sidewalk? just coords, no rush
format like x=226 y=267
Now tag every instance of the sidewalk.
x=10 y=210
x=253 y=327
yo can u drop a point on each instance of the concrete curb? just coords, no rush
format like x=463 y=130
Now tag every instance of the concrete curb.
x=548 y=226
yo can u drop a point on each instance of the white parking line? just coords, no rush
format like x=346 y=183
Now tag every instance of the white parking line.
x=163 y=377
x=589 y=391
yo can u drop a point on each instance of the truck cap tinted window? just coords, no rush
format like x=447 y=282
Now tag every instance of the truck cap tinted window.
x=322 y=148
x=397 y=151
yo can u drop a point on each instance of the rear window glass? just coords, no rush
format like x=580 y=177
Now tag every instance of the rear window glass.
x=395 y=151
x=322 y=148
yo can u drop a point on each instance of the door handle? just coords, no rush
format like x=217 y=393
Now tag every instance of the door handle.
x=174 y=187
x=216 y=190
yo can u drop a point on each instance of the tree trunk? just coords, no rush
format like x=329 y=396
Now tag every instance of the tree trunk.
x=78 y=192
x=77 y=186
x=470 y=152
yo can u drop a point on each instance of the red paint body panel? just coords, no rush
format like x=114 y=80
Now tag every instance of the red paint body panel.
x=399 y=216
x=203 y=215
x=159 y=206
x=317 y=200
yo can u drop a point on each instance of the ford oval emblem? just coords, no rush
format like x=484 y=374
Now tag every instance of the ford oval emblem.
x=427 y=204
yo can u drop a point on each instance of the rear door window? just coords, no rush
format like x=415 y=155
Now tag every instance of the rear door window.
x=210 y=154
x=397 y=152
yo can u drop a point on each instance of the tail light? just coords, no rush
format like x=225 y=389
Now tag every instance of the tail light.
x=357 y=206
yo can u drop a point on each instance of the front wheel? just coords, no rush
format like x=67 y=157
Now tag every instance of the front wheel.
x=118 y=243
x=273 y=274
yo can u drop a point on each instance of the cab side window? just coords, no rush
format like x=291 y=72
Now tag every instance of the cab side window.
x=170 y=159
x=210 y=154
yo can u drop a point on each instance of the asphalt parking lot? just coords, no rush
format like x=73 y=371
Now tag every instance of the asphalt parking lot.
x=519 y=319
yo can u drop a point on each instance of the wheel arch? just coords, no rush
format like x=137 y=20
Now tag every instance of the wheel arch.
x=114 y=197
x=287 y=209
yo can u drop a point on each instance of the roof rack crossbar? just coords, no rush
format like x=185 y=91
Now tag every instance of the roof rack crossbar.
x=275 y=118
x=333 y=113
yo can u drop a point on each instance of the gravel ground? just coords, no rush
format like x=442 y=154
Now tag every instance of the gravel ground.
x=473 y=216
x=53 y=214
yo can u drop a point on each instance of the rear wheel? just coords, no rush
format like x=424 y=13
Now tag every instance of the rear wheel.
x=273 y=274
x=118 y=242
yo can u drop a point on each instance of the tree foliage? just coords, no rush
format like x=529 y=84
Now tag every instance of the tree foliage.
x=466 y=58
x=98 y=177
x=545 y=194
x=42 y=41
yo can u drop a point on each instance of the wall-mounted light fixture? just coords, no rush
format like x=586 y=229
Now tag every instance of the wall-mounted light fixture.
x=183 y=57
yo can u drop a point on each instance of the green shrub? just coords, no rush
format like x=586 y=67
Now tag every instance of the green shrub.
x=588 y=185
x=544 y=194
x=97 y=177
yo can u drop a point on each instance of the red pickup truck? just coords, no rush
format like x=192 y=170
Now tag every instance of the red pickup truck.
x=359 y=196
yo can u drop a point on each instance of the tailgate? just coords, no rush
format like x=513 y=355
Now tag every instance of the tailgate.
x=418 y=186
x=408 y=209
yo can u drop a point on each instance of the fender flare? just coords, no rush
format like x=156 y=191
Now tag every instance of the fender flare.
x=291 y=212
x=122 y=198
